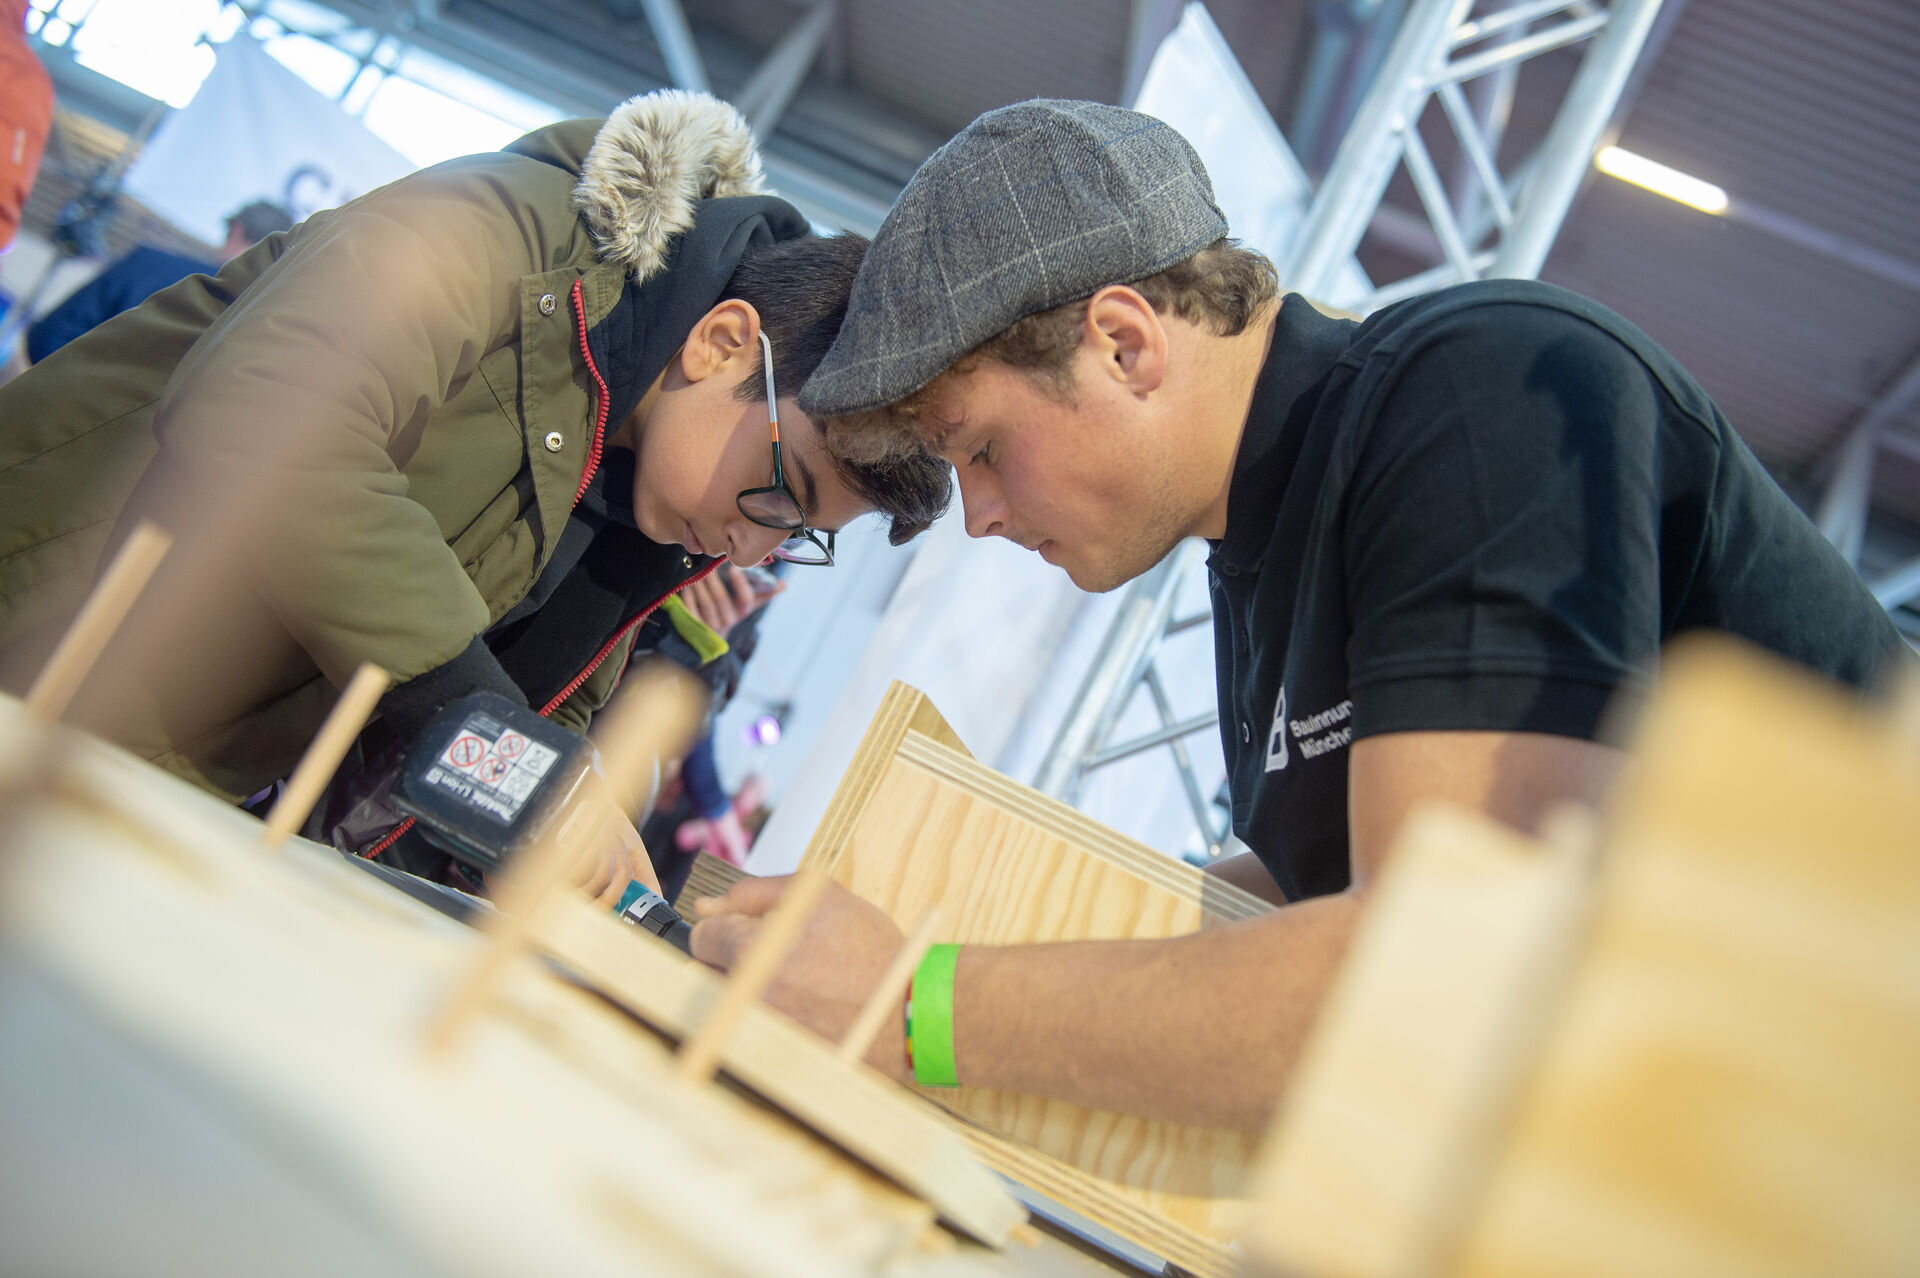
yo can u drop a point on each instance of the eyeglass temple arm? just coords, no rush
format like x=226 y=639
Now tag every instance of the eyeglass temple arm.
x=773 y=402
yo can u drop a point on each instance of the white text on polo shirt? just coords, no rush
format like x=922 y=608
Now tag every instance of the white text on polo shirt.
x=1304 y=730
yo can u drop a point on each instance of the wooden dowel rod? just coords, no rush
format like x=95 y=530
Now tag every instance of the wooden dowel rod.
x=102 y=614
x=349 y=714
x=887 y=995
x=700 y=1054
x=539 y=870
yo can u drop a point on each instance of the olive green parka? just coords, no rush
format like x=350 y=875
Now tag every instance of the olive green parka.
x=375 y=426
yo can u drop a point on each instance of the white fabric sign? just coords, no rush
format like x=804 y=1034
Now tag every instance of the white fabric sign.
x=257 y=131
x=1195 y=84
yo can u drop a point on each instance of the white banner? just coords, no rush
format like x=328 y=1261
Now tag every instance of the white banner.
x=1196 y=84
x=256 y=131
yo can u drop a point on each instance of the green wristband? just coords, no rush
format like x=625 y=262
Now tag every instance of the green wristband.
x=930 y=1018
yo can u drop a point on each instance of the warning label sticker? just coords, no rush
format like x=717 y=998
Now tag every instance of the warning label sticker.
x=492 y=767
x=465 y=751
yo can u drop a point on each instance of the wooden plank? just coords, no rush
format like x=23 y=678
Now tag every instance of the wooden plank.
x=1711 y=1074
x=918 y=821
x=705 y=1041
x=798 y=1071
x=710 y=876
x=652 y=718
x=904 y=709
x=1730 y=1085
x=285 y=994
x=1409 y=1072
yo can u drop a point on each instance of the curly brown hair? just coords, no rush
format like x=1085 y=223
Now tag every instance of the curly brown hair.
x=1220 y=288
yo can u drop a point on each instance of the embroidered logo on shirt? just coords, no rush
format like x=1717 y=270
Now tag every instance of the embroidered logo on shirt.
x=1313 y=731
x=1277 y=735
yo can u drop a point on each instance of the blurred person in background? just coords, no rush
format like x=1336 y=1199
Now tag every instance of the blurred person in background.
x=697 y=813
x=128 y=281
x=26 y=116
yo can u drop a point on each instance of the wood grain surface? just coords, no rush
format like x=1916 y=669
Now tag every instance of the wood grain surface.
x=851 y=1105
x=919 y=821
x=1729 y=1086
x=282 y=996
x=1705 y=1067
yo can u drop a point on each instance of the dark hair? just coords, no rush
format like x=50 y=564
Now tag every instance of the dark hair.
x=800 y=287
x=259 y=219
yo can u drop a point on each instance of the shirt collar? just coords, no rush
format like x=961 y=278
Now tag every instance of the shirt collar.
x=1306 y=346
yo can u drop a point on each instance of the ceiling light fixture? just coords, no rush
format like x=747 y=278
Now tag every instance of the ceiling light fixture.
x=1661 y=180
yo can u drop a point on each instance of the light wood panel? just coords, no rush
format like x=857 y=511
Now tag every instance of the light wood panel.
x=710 y=876
x=918 y=820
x=1410 y=1071
x=1730 y=1085
x=285 y=994
x=1704 y=1067
x=798 y=1071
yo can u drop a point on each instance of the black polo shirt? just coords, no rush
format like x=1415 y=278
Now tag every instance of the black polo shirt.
x=1485 y=508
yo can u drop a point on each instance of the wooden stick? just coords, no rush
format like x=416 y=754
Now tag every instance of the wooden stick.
x=656 y=716
x=700 y=1053
x=102 y=614
x=349 y=714
x=886 y=996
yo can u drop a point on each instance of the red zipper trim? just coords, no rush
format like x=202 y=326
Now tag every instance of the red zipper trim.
x=586 y=477
x=394 y=834
x=600 y=411
x=393 y=837
x=619 y=634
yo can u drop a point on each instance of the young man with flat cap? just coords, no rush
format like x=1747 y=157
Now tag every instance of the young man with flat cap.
x=1444 y=541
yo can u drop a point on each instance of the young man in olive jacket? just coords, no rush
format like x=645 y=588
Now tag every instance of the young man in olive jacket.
x=1443 y=540
x=474 y=427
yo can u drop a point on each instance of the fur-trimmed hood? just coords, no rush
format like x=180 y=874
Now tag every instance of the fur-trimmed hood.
x=648 y=167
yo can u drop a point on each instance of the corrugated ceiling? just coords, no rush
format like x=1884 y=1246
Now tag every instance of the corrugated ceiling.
x=1810 y=112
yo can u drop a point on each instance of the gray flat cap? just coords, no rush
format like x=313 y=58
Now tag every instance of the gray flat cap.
x=1030 y=207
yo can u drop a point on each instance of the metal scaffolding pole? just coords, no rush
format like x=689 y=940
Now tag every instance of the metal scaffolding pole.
x=1144 y=613
x=1364 y=162
x=764 y=97
x=669 y=23
x=1566 y=155
x=1525 y=212
x=1842 y=517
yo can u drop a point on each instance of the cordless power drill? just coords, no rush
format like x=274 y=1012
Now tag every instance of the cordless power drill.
x=487 y=779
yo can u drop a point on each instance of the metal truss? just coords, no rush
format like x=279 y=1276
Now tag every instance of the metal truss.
x=1488 y=225
x=1842 y=516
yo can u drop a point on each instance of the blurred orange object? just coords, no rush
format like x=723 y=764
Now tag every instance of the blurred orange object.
x=26 y=115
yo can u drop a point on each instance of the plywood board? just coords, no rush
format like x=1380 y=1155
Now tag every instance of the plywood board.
x=1706 y=1067
x=1730 y=1084
x=1409 y=1072
x=710 y=876
x=287 y=991
x=918 y=820
x=798 y=1071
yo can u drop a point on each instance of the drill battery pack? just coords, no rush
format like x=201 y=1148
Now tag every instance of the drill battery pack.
x=487 y=778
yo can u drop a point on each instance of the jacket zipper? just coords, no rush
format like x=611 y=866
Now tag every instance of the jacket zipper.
x=573 y=686
x=600 y=409
x=619 y=634
x=594 y=451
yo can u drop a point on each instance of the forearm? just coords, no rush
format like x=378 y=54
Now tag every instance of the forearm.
x=1199 y=1029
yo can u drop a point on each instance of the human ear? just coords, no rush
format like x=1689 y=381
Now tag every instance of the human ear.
x=720 y=339
x=1128 y=337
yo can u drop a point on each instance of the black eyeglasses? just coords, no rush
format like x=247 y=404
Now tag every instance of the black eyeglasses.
x=775 y=506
